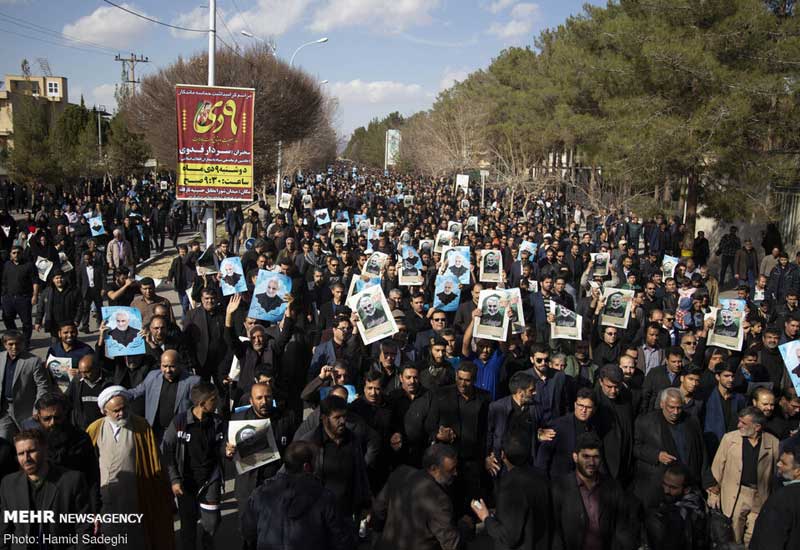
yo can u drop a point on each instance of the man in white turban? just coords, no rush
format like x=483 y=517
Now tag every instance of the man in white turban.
x=130 y=473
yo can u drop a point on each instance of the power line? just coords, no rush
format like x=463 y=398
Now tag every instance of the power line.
x=44 y=40
x=146 y=18
x=233 y=38
x=244 y=19
x=47 y=31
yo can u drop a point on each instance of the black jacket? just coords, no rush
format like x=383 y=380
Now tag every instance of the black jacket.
x=175 y=454
x=64 y=491
x=197 y=327
x=653 y=435
x=554 y=457
x=655 y=381
x=294 y=512
x=522 y=518
x=613 y=421
x=283 y=426
x=778 y=523
x=618 y=528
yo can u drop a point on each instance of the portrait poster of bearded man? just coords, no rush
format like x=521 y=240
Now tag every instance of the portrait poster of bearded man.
x=375 y=320
x=270 y=296
x=616 y=307
x=727 y=331
x=490 y=267
x=493 y=320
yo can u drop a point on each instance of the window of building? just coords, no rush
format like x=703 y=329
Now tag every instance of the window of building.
x=52 y=88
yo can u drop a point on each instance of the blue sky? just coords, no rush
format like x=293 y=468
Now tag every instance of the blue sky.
x=382 y=55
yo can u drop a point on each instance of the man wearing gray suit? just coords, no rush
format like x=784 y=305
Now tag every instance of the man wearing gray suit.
x=23 y=379
x=166 y=392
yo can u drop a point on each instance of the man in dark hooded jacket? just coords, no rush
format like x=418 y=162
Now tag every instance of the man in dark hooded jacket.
x=294 y=511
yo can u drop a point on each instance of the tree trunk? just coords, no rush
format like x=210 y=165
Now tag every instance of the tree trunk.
x=691 y=213
x=682 y=196
x=667 y=192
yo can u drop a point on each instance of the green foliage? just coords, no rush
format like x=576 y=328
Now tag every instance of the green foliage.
x=30 y=159
x=65 y=139
x=654 y=92
x=127 y=151
x=367 y=145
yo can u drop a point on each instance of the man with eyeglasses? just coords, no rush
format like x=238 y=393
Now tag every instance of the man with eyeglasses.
x=608 y=350
x=551 y=385
x=613 y=421
x=342 y=346
x=554 y=456
x=672 y=333
x=438 y=324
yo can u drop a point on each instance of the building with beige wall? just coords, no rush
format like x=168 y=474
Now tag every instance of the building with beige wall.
x=52 y=89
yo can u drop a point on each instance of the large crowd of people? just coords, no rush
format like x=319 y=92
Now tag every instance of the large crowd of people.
x=640 y=426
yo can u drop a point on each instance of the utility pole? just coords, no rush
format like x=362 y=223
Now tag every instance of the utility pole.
x=130 y=62
x=211 y=208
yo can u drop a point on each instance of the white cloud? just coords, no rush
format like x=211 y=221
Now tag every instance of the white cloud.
x=382 y=91
x=361 y=101
x=523 y=18
x=195 y=19
x=500 y=5
x=451 y=75
x=267 y=17
x=525 y=10
x=393 y=15
x=102 y=95
x=110 y=26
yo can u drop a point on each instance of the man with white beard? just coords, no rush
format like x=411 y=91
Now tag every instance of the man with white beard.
x=130 y=473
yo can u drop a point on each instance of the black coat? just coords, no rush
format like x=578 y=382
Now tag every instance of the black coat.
x=613 y=421
x=8 y=458
x=522 y=517
x=283 y=426
x=778 y=523
x=424 y=525
x=65 y=491
x=82 y=278
x=653 y=435
x=197 y=328
x=554 y=457
x=655 y=381
x=618 y=529
x=294 y=512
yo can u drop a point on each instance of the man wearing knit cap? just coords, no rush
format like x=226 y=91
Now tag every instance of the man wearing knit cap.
x=130 y=473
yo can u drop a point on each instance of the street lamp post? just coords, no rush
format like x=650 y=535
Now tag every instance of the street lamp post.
x=101 y=111
x=269 y=44
x=278 y=177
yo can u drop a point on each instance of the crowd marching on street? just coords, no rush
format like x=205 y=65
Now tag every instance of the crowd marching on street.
x=384 y=359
